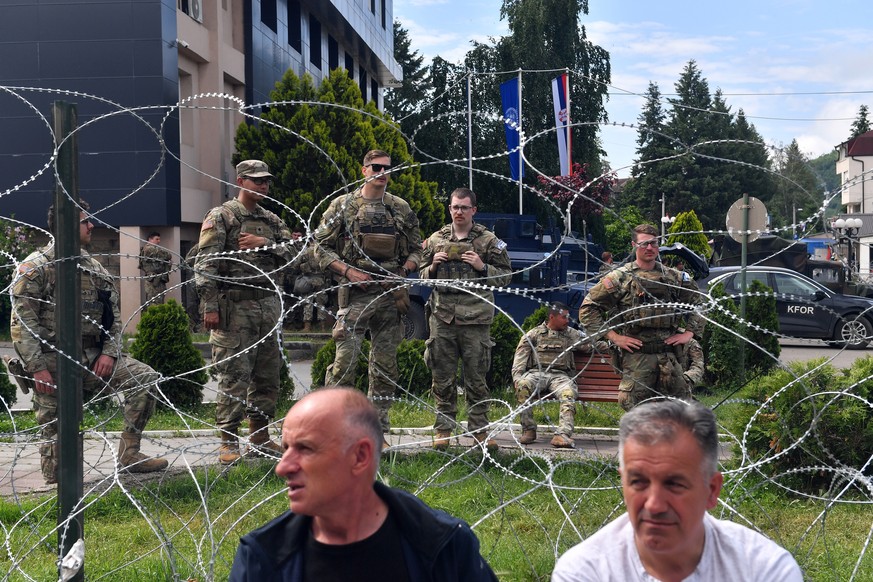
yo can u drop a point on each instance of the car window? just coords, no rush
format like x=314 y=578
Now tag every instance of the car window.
x=732 y=282
x=790 y=285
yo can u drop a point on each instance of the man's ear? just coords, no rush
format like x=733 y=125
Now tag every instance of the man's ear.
x=364 y=452
x=715 y=484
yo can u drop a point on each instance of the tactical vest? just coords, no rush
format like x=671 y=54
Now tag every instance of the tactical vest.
x=92 y=307
x=454 y=267
x=654 y=296
x=262 y=261
x=553 y=351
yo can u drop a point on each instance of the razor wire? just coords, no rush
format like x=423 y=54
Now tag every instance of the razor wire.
x=186 y=529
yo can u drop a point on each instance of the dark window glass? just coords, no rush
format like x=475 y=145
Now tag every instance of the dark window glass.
x=374 y=91
x=332 y=53
x=362 y=82
x=295 y=32
x=314 y=41
x=350 y=65
x=383 y=14
x=268 y=13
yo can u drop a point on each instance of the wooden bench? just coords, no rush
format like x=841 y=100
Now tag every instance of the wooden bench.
x=597 y=378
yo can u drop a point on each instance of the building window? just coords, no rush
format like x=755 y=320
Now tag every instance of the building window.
x=373 y=6
x=374 y=91
x=350 y=66
x=332 y=53
x=295 y=27
x=192 y=8
x=268 y=14
x=383 y=14
x=314 y=41
x=362 y=82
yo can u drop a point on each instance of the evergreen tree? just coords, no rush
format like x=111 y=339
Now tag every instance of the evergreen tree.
x=316 y=151
x=861 y=124
x=796 y=194
x=402 y=102
x=688 y=230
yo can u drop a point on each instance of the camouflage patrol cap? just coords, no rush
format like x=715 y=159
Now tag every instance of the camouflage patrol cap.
x=253 y=169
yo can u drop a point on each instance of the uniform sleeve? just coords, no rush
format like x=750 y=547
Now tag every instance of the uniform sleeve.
x=522 y=356
x=427 y=256
x=410 y=230
x=601 y=298
x=213 y=235
x=328 y=234
x=694 y=366
x=283 y=249
x=28 y=300
x=498 y=268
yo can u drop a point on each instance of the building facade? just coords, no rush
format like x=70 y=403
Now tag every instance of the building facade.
x=160 y=88
x=855 y=169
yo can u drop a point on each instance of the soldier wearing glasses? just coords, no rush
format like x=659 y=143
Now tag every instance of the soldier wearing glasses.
x=370 y=241
x=242 y=246
x=460 y=316
x=646 y=310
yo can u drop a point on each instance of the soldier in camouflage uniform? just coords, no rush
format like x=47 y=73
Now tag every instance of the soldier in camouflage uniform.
x=370 y=240
x=460 y=317
x=642 y=298
x=155 y=262
x=104 y=367
x=544 y=363
x=693 y=362
x=242 y=247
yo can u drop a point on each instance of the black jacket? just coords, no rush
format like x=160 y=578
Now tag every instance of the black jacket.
x=437 y=547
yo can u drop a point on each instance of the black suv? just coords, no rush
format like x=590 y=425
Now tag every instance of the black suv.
x=806 y=308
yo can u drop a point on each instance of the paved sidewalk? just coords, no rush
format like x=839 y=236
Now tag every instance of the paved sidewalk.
x=21 y=473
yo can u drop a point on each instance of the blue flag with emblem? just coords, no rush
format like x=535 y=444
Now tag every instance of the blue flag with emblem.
x=509 y=98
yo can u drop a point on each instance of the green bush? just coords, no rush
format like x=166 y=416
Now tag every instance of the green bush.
x=505 y=335
x=8 y=390
x=286 y=386
x=414 y=374
x=808 y=426
x=164 y=342
x=324 y=358
x=761 y=310
x=720 y=342
x=534 y=319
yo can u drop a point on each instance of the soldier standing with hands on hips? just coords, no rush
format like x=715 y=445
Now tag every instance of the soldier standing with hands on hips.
x=156 y=263
x=242 y=248
x=650 y=300
x=460 y=317
x=370 y=241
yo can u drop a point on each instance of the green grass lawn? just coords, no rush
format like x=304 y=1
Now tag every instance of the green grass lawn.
x=525 y=510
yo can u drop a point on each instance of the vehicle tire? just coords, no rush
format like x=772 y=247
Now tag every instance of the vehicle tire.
x=414 y=322
x=853 y=332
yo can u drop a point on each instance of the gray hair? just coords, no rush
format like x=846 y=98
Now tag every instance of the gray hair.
x=658 y=420
x=361 y=418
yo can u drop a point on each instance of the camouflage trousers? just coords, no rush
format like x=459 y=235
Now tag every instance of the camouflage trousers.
x=155 y=289
x=558 y=384
x=647 y=376
x=246 y=356
x=131 y=379
x=471 y=345
x=312 y=306
x=375 y=311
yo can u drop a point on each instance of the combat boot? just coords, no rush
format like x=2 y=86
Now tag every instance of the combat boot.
x=482 y=437
x=528 y=436
x=228 y=452
x=560 y=441
x=260 y=444
x=442 y=439
x=134 y=461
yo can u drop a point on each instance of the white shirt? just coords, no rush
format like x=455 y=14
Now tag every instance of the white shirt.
x=730 y=552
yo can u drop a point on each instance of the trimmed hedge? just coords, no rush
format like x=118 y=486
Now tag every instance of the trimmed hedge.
x=164 y=342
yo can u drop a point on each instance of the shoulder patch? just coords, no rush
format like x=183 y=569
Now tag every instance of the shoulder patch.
x=28 y=270
x=500 y=244
x=608 y=283
x=207 y=224
x=686 y=277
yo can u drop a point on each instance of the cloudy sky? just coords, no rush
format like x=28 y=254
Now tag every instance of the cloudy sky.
x=799 y=69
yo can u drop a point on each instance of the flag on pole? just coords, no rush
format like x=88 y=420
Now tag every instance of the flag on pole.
x=560 y=93
x=509 y=98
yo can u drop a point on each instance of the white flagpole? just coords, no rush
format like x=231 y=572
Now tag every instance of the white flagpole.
x=469 y=133
x=520 y=160
x=569 y=129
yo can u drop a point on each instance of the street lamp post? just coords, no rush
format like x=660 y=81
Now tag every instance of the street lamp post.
x=666 y=222
x=847 y=229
